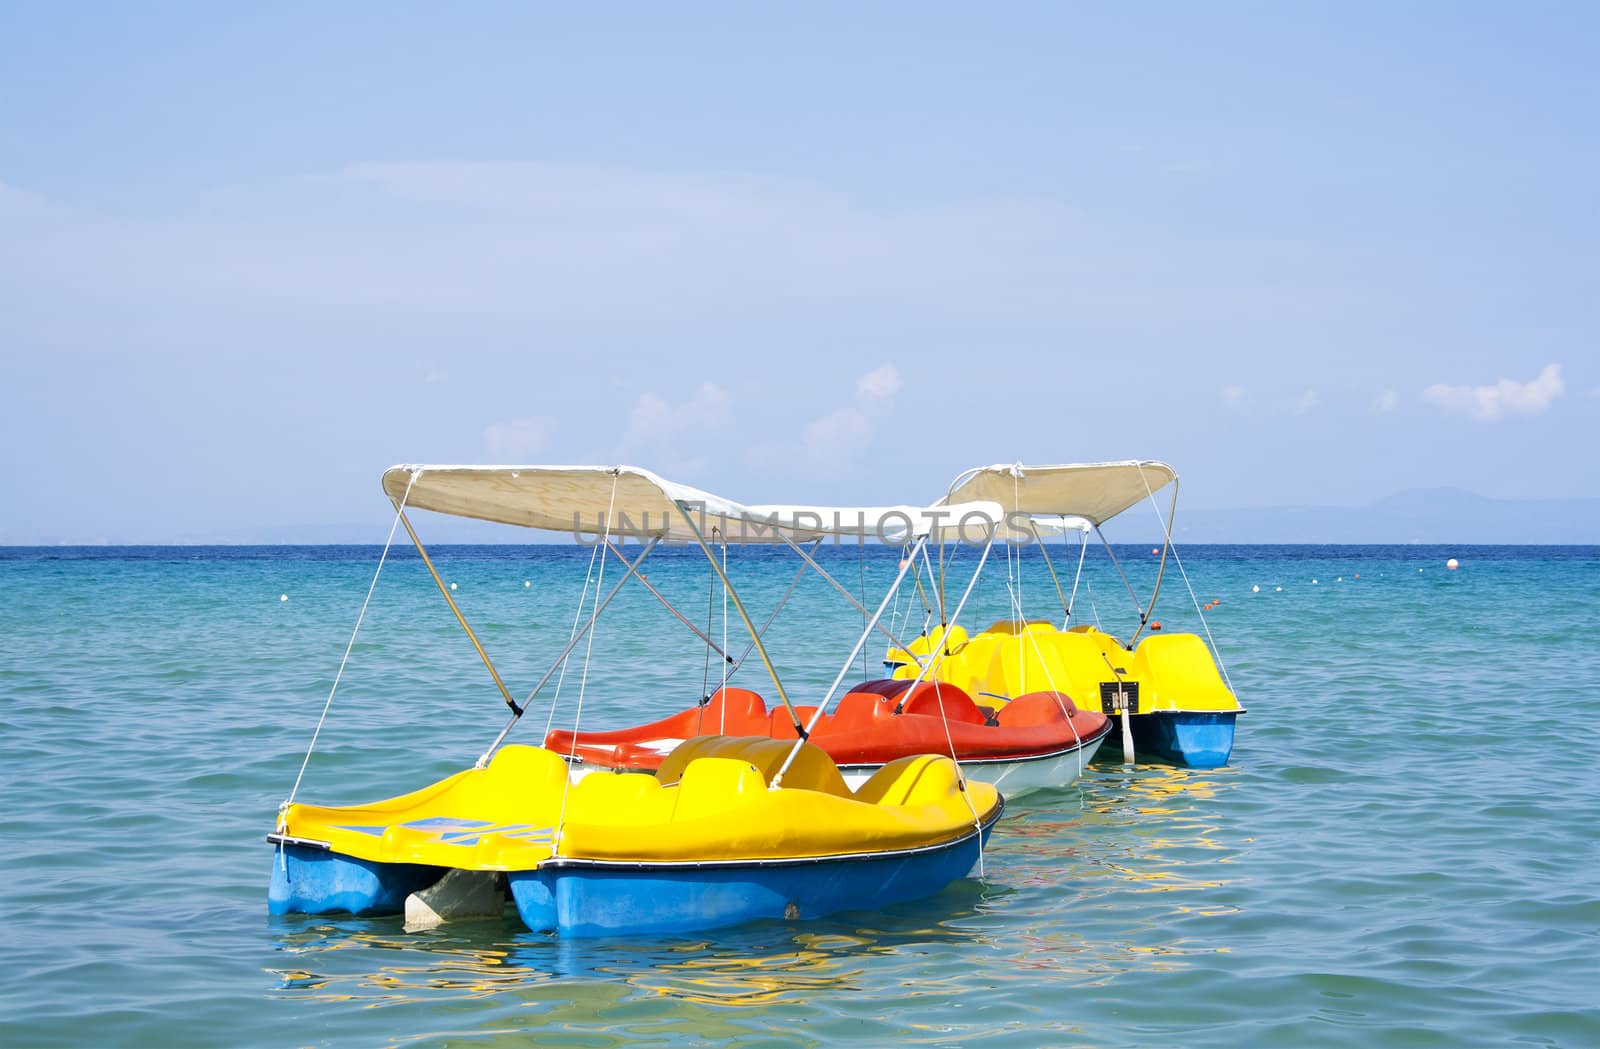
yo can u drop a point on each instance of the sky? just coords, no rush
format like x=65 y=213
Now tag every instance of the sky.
x=1308 y=254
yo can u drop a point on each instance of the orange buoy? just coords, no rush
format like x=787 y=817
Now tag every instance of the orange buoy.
x=904 y=564
x=1358 y=575
x=1153 y=550
x=1452 y=564
x=1155 y=624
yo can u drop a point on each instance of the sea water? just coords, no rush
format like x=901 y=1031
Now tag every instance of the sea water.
x=1403 y=850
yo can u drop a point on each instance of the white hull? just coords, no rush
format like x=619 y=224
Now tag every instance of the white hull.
x=1012 y=777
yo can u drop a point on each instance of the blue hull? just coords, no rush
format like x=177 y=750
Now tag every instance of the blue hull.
x=308 y=880
x=1193 y=740
x=591 y=898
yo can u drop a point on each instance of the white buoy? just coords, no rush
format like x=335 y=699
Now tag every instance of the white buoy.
x=1280 y=590
x=452 y=586
x=283 y=597
x=1313 y=582
x=1256 y=589
x=1339 y=580
x=1452 y=564
x=527 y=583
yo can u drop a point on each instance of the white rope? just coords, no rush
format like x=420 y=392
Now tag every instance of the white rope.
x=1198 y=610
x=961 y=776
x=583 y=679
x=577 y=615
x=283 y=809
x=1051 y=681
x=1083 y=548
x=894 y=618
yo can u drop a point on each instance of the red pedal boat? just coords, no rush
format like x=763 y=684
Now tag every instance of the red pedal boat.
x=1037 y=740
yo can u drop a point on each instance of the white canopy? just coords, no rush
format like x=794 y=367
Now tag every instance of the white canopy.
x=576 y=500
x=1095 y=492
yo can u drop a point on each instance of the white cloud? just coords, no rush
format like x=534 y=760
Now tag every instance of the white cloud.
x=1504 y=398
x=677 y=436
x=880 y=384
x=1386 y=401
x=835 y=440
x=1305 y=403
x=517 y=440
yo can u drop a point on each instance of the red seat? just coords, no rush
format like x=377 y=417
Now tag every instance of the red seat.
x=861 y=710
x=1036 y=708
x=734 y=707
x=929 y=696
x=891 y=687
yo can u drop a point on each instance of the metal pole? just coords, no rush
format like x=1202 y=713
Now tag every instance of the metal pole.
x=777 y=780
x=754 y=636
x=428 y=561
x=669 y=606
x=839 y=587
x=1172 y=517
x=1118 y=566
x=572 y=644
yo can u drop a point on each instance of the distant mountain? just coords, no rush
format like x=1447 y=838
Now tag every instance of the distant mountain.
x=1418 y=515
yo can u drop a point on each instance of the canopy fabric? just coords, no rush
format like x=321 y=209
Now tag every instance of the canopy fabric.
x=576 y=500
x=1095 y=492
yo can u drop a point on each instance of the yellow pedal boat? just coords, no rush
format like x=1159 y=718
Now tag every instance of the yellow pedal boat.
x=711 y=840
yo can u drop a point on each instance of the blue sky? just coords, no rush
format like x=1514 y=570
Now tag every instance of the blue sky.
x=1306 y=253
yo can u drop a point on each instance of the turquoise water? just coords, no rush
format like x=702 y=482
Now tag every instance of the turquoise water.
x=1403 y=851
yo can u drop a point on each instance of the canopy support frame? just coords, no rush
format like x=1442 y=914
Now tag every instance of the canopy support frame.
x=805 y=733
x=738 y=604
x=461 y=618
x=670 y=607
x=848 y=596
x=633 y=567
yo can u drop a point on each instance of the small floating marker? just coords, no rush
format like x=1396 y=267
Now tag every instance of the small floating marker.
x=1216 y=601
x=904 y=564
x=1155 y=624
x=1339 y=580
x=1313 y=582
x=526 y=583
x=452 y=586
x=283 y=597
x=1452 y=564
x=1280 y=590
x=1419 y=569
x=1358 y=575
x=1255 y=589
x=1153 y=550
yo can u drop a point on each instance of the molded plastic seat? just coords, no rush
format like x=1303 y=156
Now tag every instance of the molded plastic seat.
x=929 y=696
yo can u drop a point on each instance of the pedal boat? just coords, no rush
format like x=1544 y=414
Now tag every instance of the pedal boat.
x=729 y=830
x=1180 y=710
x=714 y=839
x=1165 y=688
x=1035 y=741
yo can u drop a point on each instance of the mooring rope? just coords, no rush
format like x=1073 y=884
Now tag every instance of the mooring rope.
x=283 y=809
x=583 y=679
x=1181 y=571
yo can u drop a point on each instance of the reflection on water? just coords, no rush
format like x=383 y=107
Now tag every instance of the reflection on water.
x=758 y=964
x=1068 y=888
